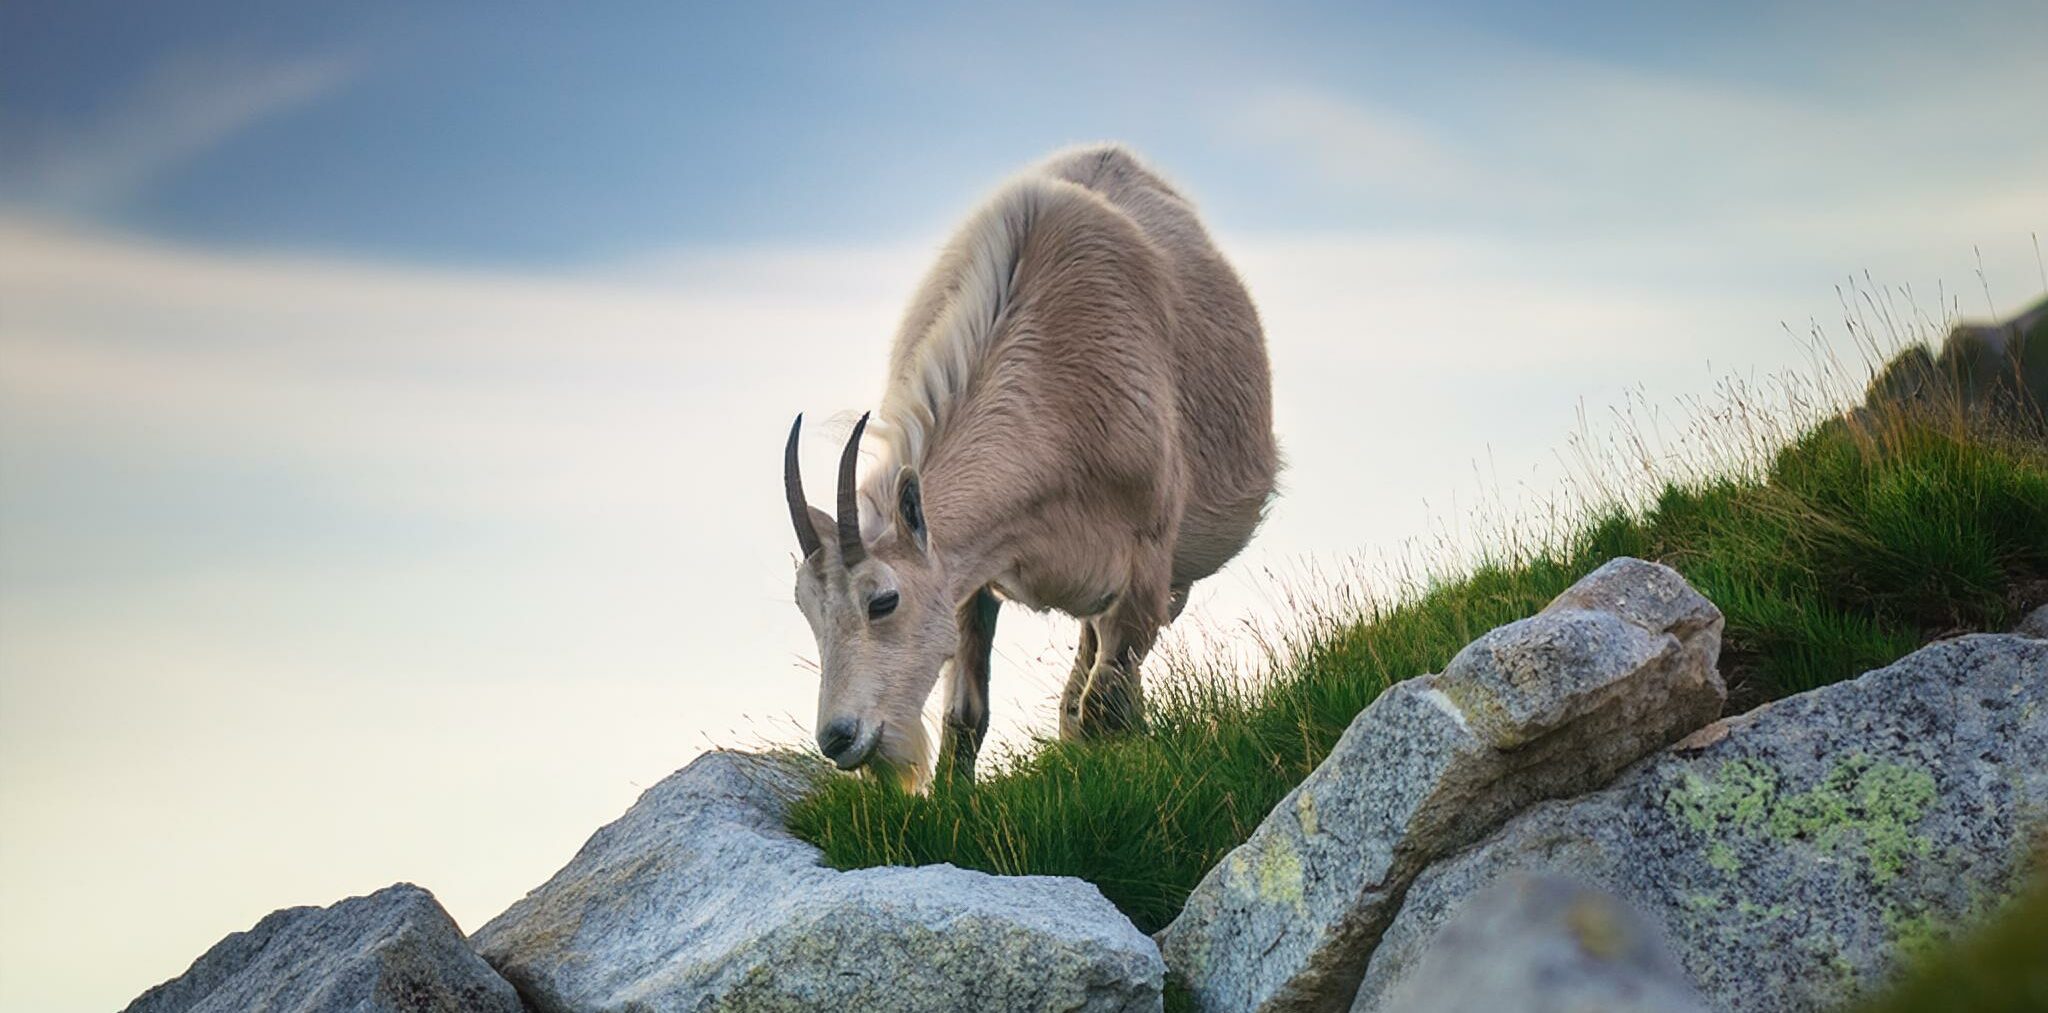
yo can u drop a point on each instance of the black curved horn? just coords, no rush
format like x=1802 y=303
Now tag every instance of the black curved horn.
x=851 y=551
x=793 y=486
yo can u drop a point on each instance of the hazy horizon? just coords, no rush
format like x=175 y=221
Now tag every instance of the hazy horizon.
x=391 y=400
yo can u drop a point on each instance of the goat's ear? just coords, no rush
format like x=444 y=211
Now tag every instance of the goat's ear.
x=910 y=508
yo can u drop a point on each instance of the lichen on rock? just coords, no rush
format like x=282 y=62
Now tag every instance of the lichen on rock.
x=1869 y=805
x=1797 y=859
x=1618 y=666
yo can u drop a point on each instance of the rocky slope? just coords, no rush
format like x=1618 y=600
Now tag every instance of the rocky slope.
x=1556 y=821
x=1790 y=853
x=698 y=899
x=1995 y=371
x=394 y=951
x=1619 y=665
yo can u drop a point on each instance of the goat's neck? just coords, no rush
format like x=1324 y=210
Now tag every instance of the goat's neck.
x=973 y=528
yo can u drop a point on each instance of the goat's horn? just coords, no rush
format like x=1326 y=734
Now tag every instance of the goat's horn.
x=793 y=486
x=851 y=551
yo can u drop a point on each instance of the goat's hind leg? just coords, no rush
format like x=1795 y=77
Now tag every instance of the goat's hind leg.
x=966 y=721
x=1077 y=680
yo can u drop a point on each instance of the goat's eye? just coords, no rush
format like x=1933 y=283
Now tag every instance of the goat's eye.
x=881 y=604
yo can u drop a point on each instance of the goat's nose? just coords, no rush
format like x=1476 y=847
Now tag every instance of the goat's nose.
x=838 y=739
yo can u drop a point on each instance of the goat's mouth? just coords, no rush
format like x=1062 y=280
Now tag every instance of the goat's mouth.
x=862 y=750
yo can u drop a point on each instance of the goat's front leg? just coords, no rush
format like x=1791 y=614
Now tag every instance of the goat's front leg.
x=966 y=721
x=1108 y=696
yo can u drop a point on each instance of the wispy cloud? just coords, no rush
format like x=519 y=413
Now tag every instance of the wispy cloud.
x=175 y=112
x=1357 y=146
x=1577 y=143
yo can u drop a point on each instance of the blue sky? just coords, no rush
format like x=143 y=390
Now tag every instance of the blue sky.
x=391 y=395
x=542 y=135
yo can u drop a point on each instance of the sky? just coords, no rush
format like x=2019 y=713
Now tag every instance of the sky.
x=391 y=395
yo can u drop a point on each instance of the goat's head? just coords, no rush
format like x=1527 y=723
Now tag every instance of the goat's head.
x=881 y=613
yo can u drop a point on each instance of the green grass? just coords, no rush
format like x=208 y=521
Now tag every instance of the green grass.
x=1846 y=550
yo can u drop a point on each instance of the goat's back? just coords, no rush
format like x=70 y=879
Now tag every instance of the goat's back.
x=1222 y=379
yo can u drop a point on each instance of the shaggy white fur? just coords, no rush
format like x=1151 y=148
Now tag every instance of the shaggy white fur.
x=947 y=331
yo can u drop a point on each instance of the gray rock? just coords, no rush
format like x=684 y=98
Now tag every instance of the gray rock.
x=1546 y=944
x=394 y=951
x=698 y=899
x=1986 y=371
x=2034 y=625
x=1620 y=665
x=1794 y=853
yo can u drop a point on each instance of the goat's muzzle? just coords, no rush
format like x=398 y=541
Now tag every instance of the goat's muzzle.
x=849 y=742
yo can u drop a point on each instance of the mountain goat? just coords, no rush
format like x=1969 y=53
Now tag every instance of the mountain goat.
x=1078 y=416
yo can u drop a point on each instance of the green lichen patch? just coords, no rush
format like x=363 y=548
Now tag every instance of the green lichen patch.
x=1739 y=795
x=1878 y=801
x=1722 y=857
x=1279 y=874
x=1918 y=931
x=1916 y=936
x=1757 y=913
x=1868 y=805
x=1305 y=811
x=1272 y=873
